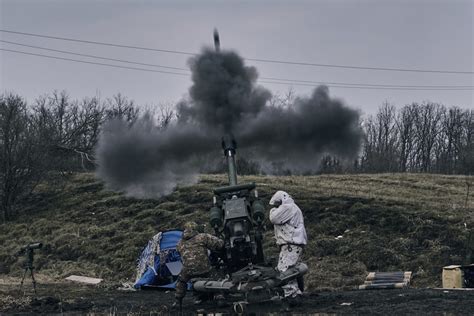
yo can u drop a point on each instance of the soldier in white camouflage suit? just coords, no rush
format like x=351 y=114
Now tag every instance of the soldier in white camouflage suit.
x=193 y=248
x=290 y=236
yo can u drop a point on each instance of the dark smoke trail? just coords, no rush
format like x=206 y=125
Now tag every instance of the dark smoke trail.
x=297 y=136
x=145 y=161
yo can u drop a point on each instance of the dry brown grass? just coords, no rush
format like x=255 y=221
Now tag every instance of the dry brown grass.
x=413 y=222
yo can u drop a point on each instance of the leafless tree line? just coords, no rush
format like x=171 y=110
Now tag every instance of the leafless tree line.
x=57 y=135
x=426 y=137
x=54 y=135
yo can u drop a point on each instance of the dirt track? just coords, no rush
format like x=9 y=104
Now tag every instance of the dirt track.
x=72 y=299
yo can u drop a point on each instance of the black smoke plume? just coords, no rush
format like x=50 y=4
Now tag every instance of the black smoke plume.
x=224 y=92
x=295 y=137
x=146 y=161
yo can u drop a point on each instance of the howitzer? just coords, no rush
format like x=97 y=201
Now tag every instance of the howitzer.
x=237 y=216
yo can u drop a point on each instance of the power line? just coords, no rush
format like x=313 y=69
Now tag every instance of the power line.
x=94 y=63
x=360 y=67
x=263 y=81
x=93 y=56
x=285 y=80
x=365 y=87
x=364 y=84
x=264 y=78
x=100 y=43
x=249 y=59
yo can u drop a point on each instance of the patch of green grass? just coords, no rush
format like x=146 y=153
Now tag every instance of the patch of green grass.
x=388 y=222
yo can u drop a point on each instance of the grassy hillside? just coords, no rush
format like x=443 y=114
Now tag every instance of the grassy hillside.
x=387 y=222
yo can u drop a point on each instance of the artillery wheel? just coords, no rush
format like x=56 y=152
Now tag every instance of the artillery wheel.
x=240 y=307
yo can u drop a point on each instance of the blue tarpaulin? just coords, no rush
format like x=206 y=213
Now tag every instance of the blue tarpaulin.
x=166 y=264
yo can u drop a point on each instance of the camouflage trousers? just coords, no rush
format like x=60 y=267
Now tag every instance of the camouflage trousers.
x=289 y=256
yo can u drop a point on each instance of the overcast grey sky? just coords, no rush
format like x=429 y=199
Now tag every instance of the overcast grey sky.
x=419 y=34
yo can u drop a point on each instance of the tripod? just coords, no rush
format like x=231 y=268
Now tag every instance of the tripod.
x=29 y=267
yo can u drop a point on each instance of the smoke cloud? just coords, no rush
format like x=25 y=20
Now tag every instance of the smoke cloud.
x=224 y=92
x=144 y=161
x=147 y=161
x=297 y=136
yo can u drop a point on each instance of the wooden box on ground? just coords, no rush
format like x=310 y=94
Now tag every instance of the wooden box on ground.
x=457 y=276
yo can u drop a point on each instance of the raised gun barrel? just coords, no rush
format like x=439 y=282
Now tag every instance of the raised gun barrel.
x=237 y=216
x=229 y=145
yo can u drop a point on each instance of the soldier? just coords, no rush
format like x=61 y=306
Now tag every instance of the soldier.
x=193 y=249
x=290 y=236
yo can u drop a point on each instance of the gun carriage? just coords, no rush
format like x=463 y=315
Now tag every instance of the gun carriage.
x=238 y=216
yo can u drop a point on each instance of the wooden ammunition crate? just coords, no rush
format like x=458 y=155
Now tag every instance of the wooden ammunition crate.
x=386 y=280
x=457 y=276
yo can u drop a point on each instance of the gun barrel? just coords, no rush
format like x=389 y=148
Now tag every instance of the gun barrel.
x=229 y=145
x=232 y=169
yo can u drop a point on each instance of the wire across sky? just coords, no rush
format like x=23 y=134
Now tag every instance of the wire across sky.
x=186 y=72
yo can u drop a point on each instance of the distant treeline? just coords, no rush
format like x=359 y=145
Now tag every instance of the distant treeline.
x=426 y=137
x=56 y=133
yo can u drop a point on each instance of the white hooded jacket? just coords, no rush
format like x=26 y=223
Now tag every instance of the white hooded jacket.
x=287 y=220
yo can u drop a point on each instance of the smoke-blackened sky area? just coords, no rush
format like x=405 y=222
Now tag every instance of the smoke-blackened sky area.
x=224 y=92
x=146 y=161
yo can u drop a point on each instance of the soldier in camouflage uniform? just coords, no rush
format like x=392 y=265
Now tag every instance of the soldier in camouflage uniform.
x=193 y=249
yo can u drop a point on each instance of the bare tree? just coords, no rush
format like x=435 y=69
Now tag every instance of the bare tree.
x=406 y=137
x=283 y=100
x=428 y=126
x=380 y=149
x=21 y=153
x=122 y=108
x=387 y=136
x=450 y=139
x=369 y=155
x=69 y=128
x=166 y=114
x=466 y=165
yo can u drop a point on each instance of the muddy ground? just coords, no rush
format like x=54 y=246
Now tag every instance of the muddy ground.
x=69 y=298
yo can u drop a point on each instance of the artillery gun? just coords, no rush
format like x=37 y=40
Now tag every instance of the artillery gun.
x=237 y=216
